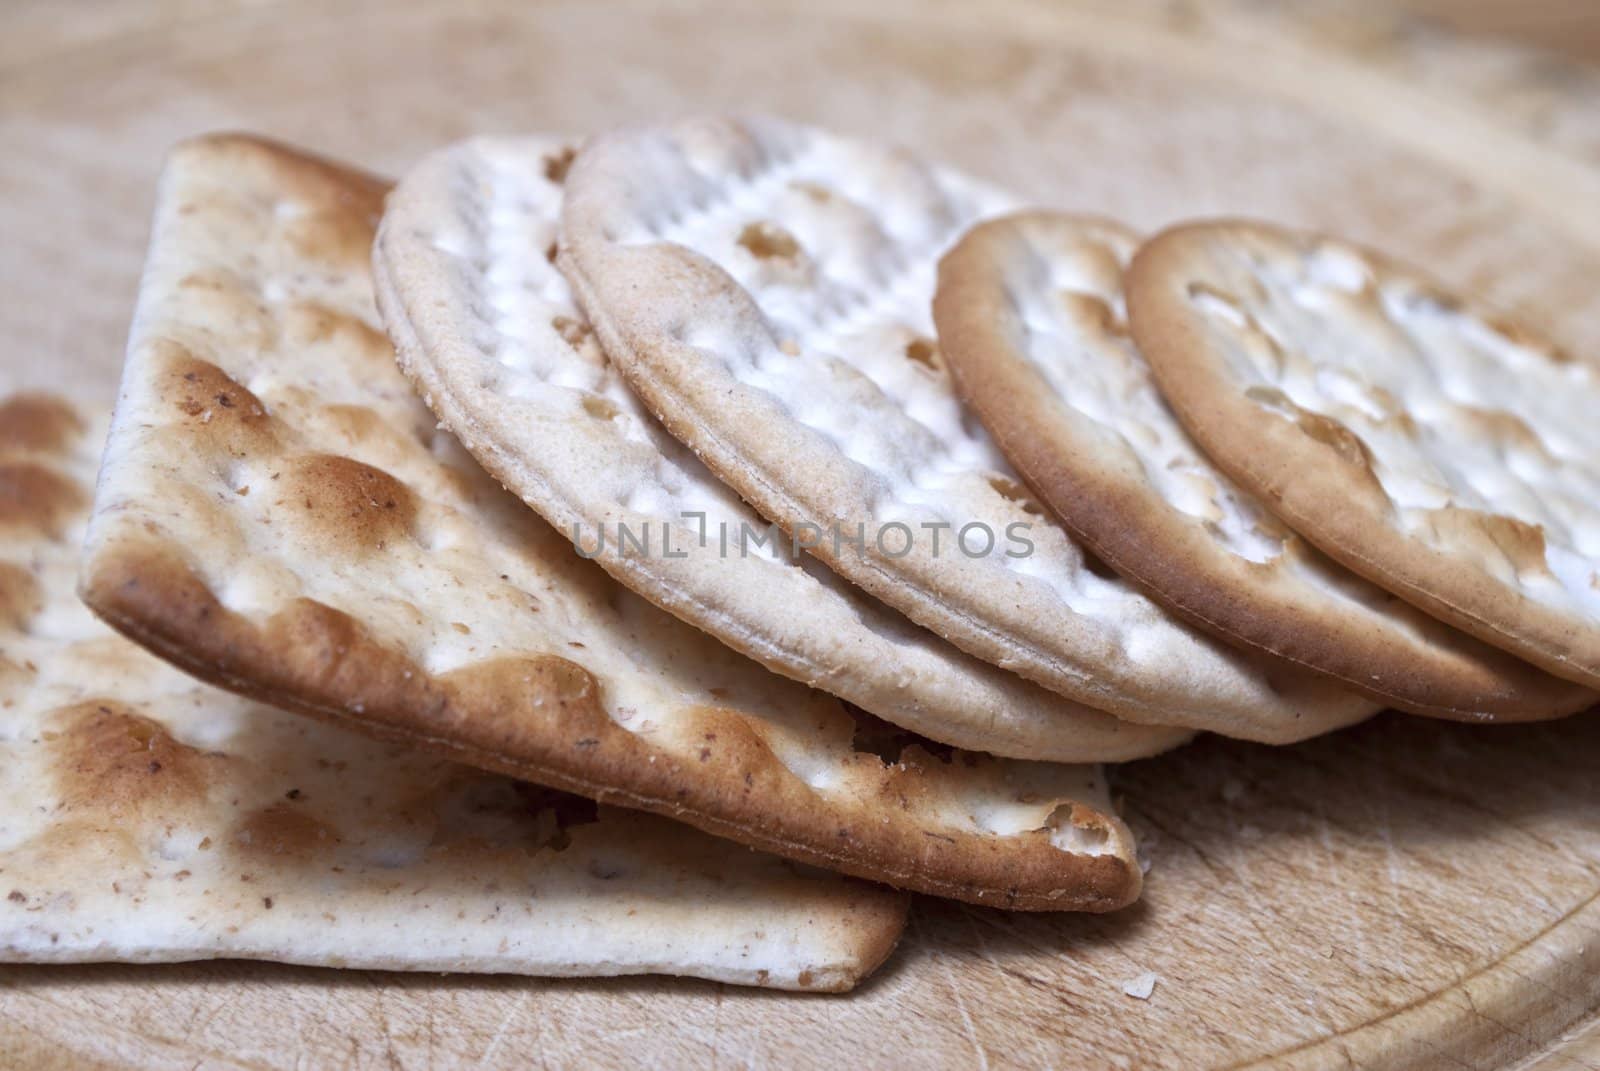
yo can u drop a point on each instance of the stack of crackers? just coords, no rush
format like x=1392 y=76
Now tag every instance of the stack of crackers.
x=493 y=560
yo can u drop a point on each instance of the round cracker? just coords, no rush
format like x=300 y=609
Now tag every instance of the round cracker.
x=765 y=289
x=1031 y=320
x=487 y=330
x=1446 y=455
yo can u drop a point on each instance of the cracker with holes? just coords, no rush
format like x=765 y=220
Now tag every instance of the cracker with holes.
x=279 y=514
x=765 y=289
x=487 y=330
x=1445 y=455
x=146 y=817
x=1031 y=320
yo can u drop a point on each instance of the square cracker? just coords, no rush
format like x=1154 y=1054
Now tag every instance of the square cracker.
x=146 y=817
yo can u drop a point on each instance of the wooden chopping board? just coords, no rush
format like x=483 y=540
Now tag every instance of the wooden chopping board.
x=1404 y=894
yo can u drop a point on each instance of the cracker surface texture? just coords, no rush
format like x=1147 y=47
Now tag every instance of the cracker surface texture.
x=765 y=288
x=1445 y=454
x=1032 y=321
x=280 y=515
x=487 y=330
x=147 y=817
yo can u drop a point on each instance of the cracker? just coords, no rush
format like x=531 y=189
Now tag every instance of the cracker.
x=764 y=287
x=1446 y=455
x=279 y=514
x=487 y=331
x=146 y=817
x=1032 y=322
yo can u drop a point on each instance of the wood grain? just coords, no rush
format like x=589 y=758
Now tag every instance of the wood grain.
x=1405 y=894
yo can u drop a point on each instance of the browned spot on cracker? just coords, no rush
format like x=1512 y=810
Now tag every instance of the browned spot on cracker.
x=107 y=757
x=282 y=829
x=210 y=401
x=15 y=674
x=358 y=423
x=1346 y=444
x=36 y=499
x=212 y=280
x=573 y=332
x=307 y=181
x=924 y=351
x=1431 y=296
x=1273 y=400
x=534 y=695
x=818 y=193
x=1089 y=310
x=308 y=323
x=599 y=407
x=768 y=241
x=1384 y=401
x=1213 y=298
x=1013 y=491
x=1330 y=432
x=333 y=238
x=37 y=422
x=1519 y=334
x=19 y=596
x=1521 y=544
x=345 y=504
x=1502 y=425
x=556 y=165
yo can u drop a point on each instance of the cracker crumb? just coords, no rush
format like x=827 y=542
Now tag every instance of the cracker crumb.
x=1141 y=987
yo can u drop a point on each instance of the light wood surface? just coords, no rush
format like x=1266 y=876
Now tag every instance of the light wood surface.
x=1405 y=894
